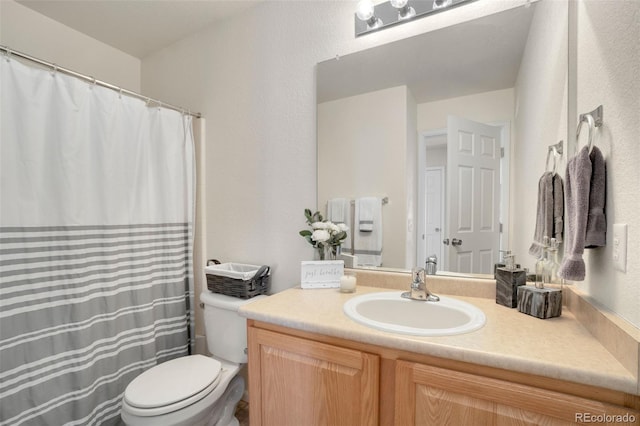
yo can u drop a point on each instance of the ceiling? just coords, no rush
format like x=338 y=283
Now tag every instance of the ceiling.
x=139 y=27
x=477 y=56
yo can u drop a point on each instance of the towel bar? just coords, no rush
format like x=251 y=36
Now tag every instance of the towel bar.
x=385 y=200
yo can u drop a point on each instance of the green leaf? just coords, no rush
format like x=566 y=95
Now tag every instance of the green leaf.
x=305 y=233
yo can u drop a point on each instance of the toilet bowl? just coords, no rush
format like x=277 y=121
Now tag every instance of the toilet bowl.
x=195 y=390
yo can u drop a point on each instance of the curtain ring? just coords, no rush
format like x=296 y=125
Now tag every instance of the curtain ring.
x=592 y=124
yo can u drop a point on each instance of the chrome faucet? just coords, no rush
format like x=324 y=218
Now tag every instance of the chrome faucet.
x=419 y=289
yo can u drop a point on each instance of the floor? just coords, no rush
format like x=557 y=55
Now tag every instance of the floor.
x=242 y=413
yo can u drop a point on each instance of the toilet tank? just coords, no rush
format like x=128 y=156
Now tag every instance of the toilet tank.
x=226 y=331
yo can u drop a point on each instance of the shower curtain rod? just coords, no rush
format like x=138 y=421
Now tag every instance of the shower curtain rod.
x=10 y=52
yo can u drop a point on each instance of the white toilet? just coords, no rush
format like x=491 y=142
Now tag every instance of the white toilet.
x=195 y=390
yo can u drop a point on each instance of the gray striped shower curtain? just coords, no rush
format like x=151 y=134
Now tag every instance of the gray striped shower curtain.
x=96 y=208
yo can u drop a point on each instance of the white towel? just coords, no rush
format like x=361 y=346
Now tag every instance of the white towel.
x=339 y=211
x=366 y=211
x=368 y=241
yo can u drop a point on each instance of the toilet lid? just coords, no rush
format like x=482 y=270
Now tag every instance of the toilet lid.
x=179 y=381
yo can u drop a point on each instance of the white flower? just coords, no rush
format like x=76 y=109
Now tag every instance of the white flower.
x=343 y=227
x=320 y=235
x=333 y=228
x=319 y=225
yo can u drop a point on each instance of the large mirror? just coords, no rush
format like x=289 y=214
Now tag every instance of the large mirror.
x=430 y=138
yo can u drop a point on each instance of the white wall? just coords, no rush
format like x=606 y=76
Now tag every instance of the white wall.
x=608 y=58
x=253 y=78
x=487 y=107
x=364 y=140
x=608 y=54
x=29 y=32
x=541 y=115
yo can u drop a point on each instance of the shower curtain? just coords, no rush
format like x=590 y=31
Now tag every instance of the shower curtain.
x=96 y=208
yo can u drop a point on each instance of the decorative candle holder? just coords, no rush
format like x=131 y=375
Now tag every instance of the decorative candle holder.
x=348 y=282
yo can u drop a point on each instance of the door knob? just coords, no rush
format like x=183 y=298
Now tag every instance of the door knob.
x=456 y=242
x=445 y=241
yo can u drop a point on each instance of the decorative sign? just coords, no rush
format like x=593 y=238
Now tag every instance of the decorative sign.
x=321 y=273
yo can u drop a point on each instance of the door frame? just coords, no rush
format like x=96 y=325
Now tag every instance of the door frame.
x=505 y=144
x=421 y=253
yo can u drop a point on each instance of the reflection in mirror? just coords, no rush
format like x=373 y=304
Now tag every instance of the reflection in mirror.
x=436 y=124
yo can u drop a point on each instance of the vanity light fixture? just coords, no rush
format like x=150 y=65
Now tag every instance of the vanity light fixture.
x=370 y=17
x=365 y=12
x=441 y=4
x=404 y=10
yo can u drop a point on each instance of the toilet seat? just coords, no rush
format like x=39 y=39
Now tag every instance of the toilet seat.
x=172 y=385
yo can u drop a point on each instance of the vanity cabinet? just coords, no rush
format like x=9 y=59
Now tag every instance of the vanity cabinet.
x=294 y=381
x=427 y=395
x=301 y=378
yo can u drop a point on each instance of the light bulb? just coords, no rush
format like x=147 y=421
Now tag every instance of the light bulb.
x=399 y=4
x=365 y=10
x=404 y=11
x=440 y=4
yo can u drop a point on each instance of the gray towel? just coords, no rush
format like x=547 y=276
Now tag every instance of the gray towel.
x=558 y=208
x=544 y=213
x=596 y=233
x=578 y=182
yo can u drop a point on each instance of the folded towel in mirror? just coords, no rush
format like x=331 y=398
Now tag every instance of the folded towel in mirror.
x=367 y=243
x=544 y=213
x=367 y=212
x=338 y=210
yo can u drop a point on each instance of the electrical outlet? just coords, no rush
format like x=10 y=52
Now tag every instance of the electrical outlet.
x=620 y=246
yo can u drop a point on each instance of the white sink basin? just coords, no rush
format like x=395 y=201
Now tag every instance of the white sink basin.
x=387 y=311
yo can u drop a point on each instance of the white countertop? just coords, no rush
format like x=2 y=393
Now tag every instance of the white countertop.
x=559 y=348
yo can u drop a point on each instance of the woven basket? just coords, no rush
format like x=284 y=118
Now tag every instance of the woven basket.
x=239 y=287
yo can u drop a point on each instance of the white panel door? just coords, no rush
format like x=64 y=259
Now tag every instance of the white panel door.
x=473 y=201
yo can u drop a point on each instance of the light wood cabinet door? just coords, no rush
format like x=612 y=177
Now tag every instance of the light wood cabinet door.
x=427 y=395
x=294 y=381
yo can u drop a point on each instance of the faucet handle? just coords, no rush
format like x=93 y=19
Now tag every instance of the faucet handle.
x=431 y=265
x=417 y=275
